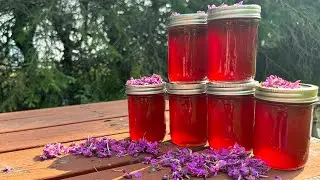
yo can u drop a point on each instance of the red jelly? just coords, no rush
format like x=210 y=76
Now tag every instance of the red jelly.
x=230 y=115
x=232 y=42
x=187 y=48
x=188 y=116
x=283 y=125
x=146 y=105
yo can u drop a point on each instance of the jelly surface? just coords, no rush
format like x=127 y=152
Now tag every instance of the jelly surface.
x=188 y=119
x=187 y=53
x=282 y=134
x=146 y=117
x=230 y=121
x=232 y=49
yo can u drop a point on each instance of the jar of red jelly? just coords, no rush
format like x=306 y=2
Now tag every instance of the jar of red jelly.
x=188 y=114
x=283 y=125
x=187 y=48
x=146 y=107
x=232 y=42
x=230 y=114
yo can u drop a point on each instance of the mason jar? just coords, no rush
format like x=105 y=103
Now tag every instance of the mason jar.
x=187 y=48
x=188 y=114
x=146 y=107
x=232 y=42
x=230 y=114
x=283 y=125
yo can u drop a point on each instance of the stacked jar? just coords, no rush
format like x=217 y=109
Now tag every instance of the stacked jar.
x=232 y=49
x=187 y=71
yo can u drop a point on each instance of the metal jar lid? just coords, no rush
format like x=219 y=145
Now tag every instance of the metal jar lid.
x=236 y=11
x=186 y=89
x=306 y=93
x=232 y=89
x=145 y=89
x=187 y=19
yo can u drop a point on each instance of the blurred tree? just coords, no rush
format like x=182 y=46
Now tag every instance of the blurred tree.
x=62 y=52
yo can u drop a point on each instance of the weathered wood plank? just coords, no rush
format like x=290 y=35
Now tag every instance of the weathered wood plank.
x=311 y=170
x=27 y=164
x=36 y=119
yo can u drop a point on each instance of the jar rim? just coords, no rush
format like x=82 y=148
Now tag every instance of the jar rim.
x=187 y=19
x=232 y=89
x=236 y=11
x=145 y=89
x=186 y=88
x=306 y=93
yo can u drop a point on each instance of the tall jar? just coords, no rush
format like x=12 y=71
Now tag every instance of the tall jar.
x=188 y=114
x=230 y=114
x=146 y=107
x=187 y=48
x=283 y=125
x=232 y=42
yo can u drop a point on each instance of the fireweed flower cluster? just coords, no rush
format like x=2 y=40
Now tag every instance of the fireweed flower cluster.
x=224 y=5
x=234 y=161
x=51 y=151
x=103 y=147
x=277 y=82
x=145 y=80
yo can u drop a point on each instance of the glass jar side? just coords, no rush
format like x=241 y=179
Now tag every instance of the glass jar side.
x=187 y=53
x=282 y=134
x=232 y=49
x=147 y=117
x=188 y=119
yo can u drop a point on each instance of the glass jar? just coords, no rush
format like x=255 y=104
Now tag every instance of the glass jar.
x=188 y=116
x=232 y=42
x=283 y=125
x=146 y=107
x=230 y=114
x=187 y=48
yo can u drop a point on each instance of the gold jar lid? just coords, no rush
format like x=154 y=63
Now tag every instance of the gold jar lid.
x=306 y=93
x=187 y=19
x=145 y=89
x=186 y=89
x=235 y=11
x=232 y=89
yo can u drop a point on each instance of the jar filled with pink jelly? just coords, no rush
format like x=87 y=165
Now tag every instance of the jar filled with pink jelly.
x=187 y=48
x=230 y=114
x=146 y=107
x=232 y=42
x=283 y=125
x=188 y=114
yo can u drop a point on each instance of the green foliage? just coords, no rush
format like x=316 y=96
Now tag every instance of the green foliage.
x=62 y=52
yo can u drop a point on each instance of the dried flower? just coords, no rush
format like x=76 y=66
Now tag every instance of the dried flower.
x=7 y=170
x=277 y=82
x=51 y=151
x=145 y=80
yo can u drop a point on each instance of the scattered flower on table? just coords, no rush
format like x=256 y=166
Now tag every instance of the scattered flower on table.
x=7 y=170
x=274 y=81
x=277 y=178
x=51 y=151
x=146 y=80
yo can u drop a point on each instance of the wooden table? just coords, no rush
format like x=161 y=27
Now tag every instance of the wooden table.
x=23 y=135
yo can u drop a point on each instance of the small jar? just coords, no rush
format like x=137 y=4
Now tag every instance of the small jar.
x=283 y=125
x=230 y=114
x=187 y=48
x=232 y=42
x=188 y=116
x=146 y=107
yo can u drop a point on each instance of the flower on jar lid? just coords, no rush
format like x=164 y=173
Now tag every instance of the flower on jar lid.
x=146 y=80
x=175 y=14
x=274 y=81
x=201 y=12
